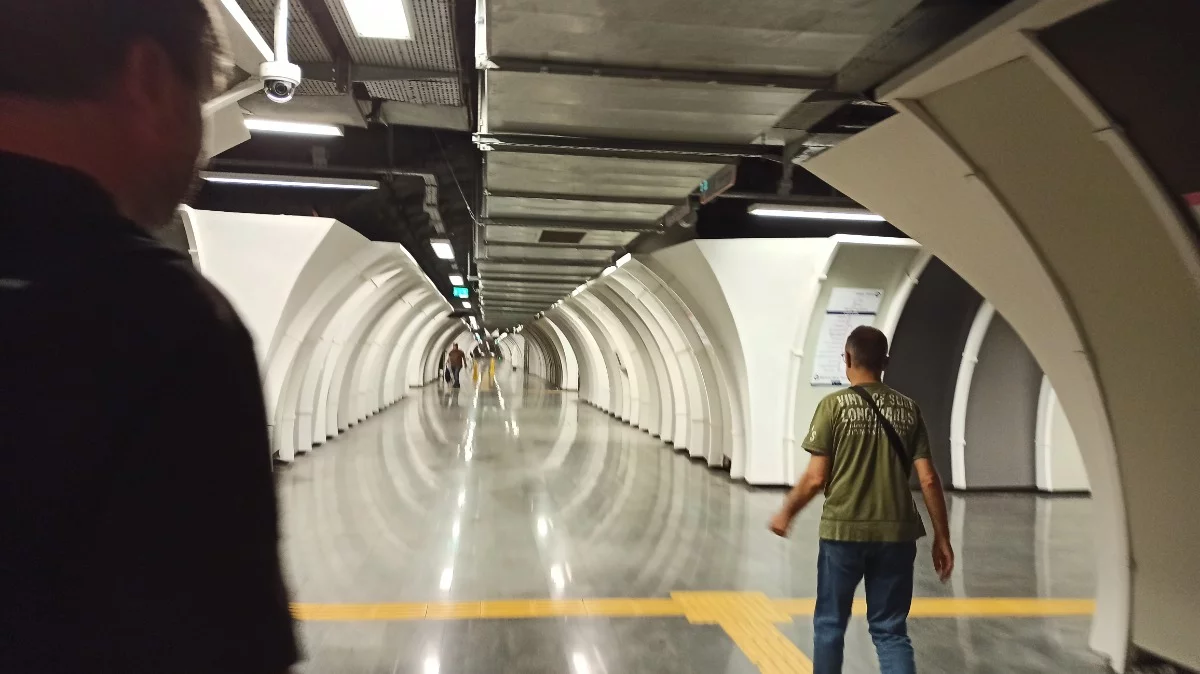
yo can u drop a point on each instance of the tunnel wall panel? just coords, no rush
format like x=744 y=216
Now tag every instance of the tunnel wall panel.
x=326 y=308
x=1001 y=419
x=927 y=349
x=1025 y=154
x=846 y=262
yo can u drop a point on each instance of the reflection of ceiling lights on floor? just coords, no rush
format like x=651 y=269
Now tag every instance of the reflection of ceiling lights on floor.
x=297 y=128
x=814 y=213
x=264 y=180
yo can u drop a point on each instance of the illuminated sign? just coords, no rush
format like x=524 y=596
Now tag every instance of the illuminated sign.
x=462 y=292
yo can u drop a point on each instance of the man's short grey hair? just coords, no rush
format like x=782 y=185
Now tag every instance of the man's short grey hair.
x=868 y=348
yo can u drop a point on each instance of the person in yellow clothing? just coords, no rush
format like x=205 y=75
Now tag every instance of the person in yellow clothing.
x=865 y=442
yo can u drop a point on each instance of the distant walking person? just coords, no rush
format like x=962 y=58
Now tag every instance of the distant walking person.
x=456 y=359
x=864 y=441
x=137 y=507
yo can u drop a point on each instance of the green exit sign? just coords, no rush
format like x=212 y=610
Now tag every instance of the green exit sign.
x=462 y=292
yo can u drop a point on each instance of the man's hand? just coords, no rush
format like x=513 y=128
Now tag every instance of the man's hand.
x=943 y=558
x=781 y=523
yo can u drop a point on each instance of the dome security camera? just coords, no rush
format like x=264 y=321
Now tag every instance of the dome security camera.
x=280 y=80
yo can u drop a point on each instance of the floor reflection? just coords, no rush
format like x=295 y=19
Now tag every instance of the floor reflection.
x=506 y=489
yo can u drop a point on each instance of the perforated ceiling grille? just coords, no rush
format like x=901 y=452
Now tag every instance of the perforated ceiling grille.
x=317 y=88
x=423 y=92
x=304 y=42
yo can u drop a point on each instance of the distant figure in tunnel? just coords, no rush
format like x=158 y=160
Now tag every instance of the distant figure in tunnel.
x=137 y=506
x=864 y=442
x=456 y=359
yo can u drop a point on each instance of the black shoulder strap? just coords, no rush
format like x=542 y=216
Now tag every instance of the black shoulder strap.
x=894 y=440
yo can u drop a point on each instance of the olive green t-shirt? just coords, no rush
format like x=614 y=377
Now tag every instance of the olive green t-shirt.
x=867 y=497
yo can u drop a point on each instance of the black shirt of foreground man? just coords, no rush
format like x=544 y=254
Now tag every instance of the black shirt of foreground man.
x=137 y=511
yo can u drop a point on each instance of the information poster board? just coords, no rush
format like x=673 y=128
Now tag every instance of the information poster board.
x=847 y=309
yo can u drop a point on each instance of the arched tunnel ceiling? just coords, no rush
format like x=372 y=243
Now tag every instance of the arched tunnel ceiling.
x=595 y=126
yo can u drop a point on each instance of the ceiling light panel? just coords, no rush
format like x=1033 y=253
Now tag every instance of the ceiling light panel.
x=813 y=213
x=266 y=180
x=442 y=248
x=294 y=128
x=383 y=19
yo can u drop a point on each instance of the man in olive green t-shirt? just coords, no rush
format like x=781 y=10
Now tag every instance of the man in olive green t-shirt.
x=869 y=525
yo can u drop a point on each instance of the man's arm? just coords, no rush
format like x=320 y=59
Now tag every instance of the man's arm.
x=810 y=484
x=935 y=503
x=819 y=443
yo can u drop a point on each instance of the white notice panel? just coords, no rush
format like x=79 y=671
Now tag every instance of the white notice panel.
x=848 y=308
x=854 y=300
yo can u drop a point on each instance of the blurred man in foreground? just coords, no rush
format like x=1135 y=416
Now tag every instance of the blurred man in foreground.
x=864 y=442
x=137 y=508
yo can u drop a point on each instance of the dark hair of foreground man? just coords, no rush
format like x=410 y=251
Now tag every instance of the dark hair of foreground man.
x=137 y=508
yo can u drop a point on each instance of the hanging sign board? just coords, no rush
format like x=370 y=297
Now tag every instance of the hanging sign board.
x=718 y=184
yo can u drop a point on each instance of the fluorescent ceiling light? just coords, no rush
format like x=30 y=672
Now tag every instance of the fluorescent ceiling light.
x=442 y=248
x=298 y=128
x=810 y=213
x=466 y=305
x=624 y=259
x=264 y=180
x=386 y=19
x=456 y=280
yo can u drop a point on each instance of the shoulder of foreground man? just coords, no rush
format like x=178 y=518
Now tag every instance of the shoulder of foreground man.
x=165 y=293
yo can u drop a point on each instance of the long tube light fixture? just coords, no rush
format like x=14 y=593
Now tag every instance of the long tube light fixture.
x=814 y=213
x=384 y=19
x=266 y=180
x=456 y=280
x=296 y=128
x=442 y=248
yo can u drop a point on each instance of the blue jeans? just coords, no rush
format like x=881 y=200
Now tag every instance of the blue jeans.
x=888 y=570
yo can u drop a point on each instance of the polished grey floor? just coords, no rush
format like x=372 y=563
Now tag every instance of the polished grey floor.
x=511 y=491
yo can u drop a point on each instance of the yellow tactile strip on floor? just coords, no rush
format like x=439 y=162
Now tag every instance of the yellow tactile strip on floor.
x=958 y=607
x=520 y=608
x=767 y=648
x=749 y=619
x=932 y=607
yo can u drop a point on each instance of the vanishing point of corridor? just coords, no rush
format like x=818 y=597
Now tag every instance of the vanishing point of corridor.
x=507 y=527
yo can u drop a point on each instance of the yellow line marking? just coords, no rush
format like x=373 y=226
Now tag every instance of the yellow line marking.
x=999 y=607
x=749 y=618
x=927 y=607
